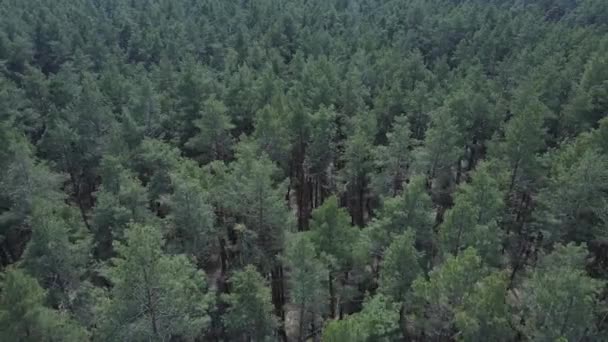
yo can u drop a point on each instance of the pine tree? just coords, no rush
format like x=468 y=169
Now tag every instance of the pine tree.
x=307 y=283
x=321 y=153
x=250 y=313
x=154 y=296
x=213 y=140
x=458 y=227
x=194 y=87
x=154 y=162
x=485 y=313
x=400 y=267
x=394 y=159
x=256 y=200
x=353 y=93
x=272 y=132
x=358 y=163
x=559 y=298
x=461 y=230
x=377 y=321
x=145 y=107
x=24 y=318
x=484 y=193
x=442 y=148
x=58 y=253
x=120 y=200
x=523 y=139
x=587 y=104
x=333 y=238
x=412 y=209
x=436 y=300
x=25 y=182
x=257 y=203
x=76 y=138
x=192 y=221
x=299 y=131
x=574 y=205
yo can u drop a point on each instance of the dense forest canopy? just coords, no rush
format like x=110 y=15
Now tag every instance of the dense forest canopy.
x=304 y=170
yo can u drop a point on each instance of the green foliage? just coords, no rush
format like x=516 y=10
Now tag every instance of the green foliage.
x=272 y=132
x=26 y=181
x=23 y=316
x=460 y=229
x=343 y=331
x=250 y=312
x=399 y=135
x=256 y=201
x=58 y=254
x=411 y=209
x=574 y=200
x=358 y=163
x=443 y=145
x=307 y=280
x=559 y=298
x=485 y=313
x=437 y=299
x=332 y=234
x=394 y=159
x=120 y=200
x=524 y=137
x=154 y=296
x=192 y=230
x=400 y=267
x=484 y=193
x=213 y=140
x=321 y=150
x=154 y=163
x=588 y=104
x=378 y=321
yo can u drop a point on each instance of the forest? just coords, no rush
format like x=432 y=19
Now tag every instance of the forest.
x=303 y=170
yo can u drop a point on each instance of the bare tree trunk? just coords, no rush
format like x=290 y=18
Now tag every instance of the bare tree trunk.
x=332 y=297
x=301 y=324
x=278 y=297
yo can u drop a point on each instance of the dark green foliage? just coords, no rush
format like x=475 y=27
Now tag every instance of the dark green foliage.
x=192 y=221
x=400 y=267
x=58 y=255
x=24 y=317
x=154 y=296
x=559 y=298
x=255 y=200
x=485 y=313
x=436 y=300
x=410 y=210
x=378 y=321
x=437 y=158
x=308 y=282
x=213 y=140
x=249 y=315
x=394 y=160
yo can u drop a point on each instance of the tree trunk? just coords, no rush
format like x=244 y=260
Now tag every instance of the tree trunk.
x=519 y=261
x=513 y=176
x=332 y=297
x=151 y=308
x=402 y=323
x=77 y=195
x=361 y=205
x=278 y=296
x=223 y=257
x=301 y=324
x=458 y=171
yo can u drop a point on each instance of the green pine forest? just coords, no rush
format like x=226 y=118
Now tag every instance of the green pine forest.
x=303 y=170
